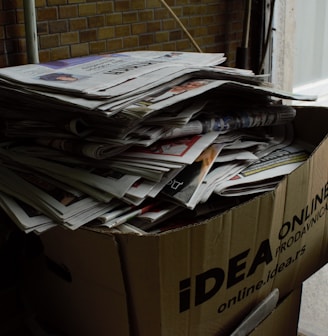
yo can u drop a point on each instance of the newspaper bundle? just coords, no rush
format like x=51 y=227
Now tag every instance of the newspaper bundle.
x=126 y=141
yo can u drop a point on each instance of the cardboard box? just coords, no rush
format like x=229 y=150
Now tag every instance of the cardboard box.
x=197 y=280
x=283 y=321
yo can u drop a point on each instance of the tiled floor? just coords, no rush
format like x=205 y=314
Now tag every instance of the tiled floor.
x=314 y=306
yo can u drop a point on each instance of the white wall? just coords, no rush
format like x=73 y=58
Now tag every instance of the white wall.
x=300 y=48
x=283 y=48
x=311 y=41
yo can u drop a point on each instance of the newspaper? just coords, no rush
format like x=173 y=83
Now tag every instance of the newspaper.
x=187 y=58
x=118 y=139
x=258 y=177
x=59 y=205
x=79 y=147
x=183 y=150
x=76 y=186
x=139 y=191
x=24 y=216
x=264 y=174
x=155 y=216
x=193 y=88
x=91 y=75
x=247 y=118
x=102 y=148
x=93 y=83
x=111 y=182
x=270 y=139
x=185 y=185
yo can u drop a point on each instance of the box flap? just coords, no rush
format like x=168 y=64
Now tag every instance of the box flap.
x=84 y=267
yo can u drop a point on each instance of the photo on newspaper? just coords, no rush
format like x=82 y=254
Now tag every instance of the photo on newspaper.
x=186 y=184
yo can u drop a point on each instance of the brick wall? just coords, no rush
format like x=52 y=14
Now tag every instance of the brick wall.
x=70 y=28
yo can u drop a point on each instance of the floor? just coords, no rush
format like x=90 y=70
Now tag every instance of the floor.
x=314 y=306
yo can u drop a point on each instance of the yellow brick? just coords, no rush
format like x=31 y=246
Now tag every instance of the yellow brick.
x=43 y=28
x=78 y=24
x=80 y=49
x=106 y=32
x=70 y=11
x=40 y=3
x=161 y=13
x=215 y=8
x=58 y=26
x=130 y=42
x=114 y=19
x=49 y=41
x=169 y=24
x=154 y=26
x=146 y=39
x=213 y=30
x=184 y=44
x=198 y=21
x=169 y=46
x=138 y=4
x=138 y=28
x=20 y=16
x=161 y=37
x=153 y=47
x=56 y=2
x=171 y=2
x=175 y=35
x=69 y=38
x=130 y=17
x=194 y=10
x=76 y=1
x=13 y=31
x=121 y=31
x=44 y=55
x=104 y=7
x=153 y=4
x=208 y=40
x=21 y=44
x=87 y=9
x=59 y=53
x=199 y=31
x=114 y=45
x=7 y=17
x=88 y=35
x=121 y=25
x=96 y=21
x=47 y=13
x=146 y=15
x=122 y=5
x=97 y=47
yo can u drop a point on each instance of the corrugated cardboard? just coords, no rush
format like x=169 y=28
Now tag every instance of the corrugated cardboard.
x=197 y=280
x=258 y=314
x=283 y=321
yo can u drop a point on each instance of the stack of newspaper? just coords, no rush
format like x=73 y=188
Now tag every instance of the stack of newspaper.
x=126 y=141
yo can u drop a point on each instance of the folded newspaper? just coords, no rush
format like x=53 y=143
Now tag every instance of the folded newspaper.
x=129 y=141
